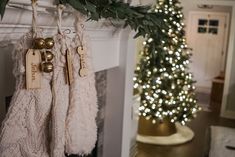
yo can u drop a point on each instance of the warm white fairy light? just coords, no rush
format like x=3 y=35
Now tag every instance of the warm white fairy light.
x=136 y=85
x=150 y=40
x=147 y=97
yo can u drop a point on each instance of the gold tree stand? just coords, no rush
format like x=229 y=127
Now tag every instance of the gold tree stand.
x=163 y=133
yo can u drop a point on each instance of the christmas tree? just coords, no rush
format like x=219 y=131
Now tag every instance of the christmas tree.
x=162 y=80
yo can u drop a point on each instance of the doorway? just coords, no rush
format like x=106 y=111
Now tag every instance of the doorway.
x=207 y=36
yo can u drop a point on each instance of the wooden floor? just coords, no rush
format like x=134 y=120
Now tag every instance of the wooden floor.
x=195 y=148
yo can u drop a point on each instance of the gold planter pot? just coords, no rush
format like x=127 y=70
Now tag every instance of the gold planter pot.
x=160 y=128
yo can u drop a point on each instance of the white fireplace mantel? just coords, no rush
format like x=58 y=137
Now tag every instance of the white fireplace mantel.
x=113 y=50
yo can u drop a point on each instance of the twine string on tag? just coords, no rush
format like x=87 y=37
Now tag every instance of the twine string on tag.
x=34 y=17
x=60 y=9
x=79 y=19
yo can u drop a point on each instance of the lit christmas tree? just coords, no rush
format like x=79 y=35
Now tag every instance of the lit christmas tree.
x=165 y=86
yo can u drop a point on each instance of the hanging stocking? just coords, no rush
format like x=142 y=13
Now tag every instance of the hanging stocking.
x=81 y=129
x=60 y=90
x=24 y=132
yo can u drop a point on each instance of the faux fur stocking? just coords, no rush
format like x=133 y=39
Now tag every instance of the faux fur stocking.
x=81 y=129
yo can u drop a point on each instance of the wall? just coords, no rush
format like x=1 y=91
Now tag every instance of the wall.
x=231 y=92
x=146 y=2
x=230 y=88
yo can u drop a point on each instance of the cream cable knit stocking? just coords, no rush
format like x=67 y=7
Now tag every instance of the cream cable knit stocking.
x=60 y=92
x=81 y=129
x=60 y=103
x=35 y=125
x=24 y=132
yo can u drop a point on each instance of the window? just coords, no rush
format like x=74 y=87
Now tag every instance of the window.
x=202 y=30
x=214 y=23
x=213 y=30
x=209 y=26
x=202 y=22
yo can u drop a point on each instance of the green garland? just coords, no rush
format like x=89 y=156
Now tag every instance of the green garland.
x=139 y=18
x=135 y=17
x=3 y=4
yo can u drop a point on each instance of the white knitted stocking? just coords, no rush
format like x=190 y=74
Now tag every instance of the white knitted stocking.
x=24 y=131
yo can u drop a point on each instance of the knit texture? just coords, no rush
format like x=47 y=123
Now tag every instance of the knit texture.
x=24 y=131
x=60 y=99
